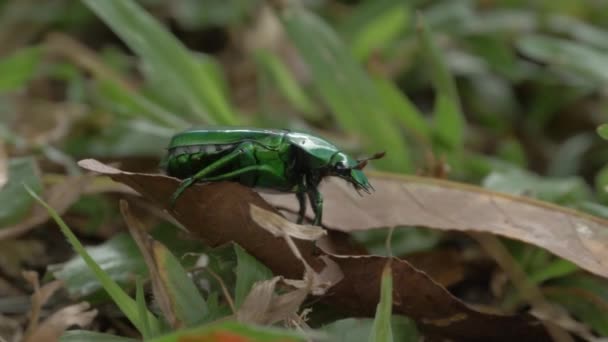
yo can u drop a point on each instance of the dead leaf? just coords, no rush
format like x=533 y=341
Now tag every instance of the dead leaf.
x=146 y=247
x=439 y=204
x=40 y=297
x=219 y=213
x=53 y=327
x=10 y=330
x=61 y=197
x=263 y=306
x=277 y=225
x=445 y=266
x=15 y=253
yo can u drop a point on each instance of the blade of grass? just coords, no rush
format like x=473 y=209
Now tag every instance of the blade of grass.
x=142 y=309
x=174 y=290
x=382 y=330
x=287 y=84
x=168 y=57
x=248 y=272
x=126 y=304
x=18 y=68
x=346 y=87
x=403 y=109
x=603 y=131
x=449 y=123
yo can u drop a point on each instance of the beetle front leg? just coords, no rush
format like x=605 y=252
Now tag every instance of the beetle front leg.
x=316 y=200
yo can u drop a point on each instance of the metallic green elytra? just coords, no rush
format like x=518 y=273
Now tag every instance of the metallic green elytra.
x=279 y=160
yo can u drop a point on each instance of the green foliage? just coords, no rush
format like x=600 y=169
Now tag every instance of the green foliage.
x=18 y=68
x=15 y=201
x=168 y=57
x=382 y=330
x=248 y=272
x=92 y=336
x=346 y=88
x=509 y=94
x=127 y=305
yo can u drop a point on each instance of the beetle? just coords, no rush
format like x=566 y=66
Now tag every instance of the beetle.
x=271 y=159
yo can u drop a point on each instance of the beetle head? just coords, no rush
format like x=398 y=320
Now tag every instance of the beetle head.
x=351 y=170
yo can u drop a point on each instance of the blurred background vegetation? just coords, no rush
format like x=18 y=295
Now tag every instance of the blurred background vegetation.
x=503 y=93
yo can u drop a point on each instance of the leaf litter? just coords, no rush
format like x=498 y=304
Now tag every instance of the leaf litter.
x=445 y=205
x=219 y=213
x=53 y=326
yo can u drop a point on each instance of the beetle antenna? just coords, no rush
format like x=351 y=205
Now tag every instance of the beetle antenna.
x=363 y=162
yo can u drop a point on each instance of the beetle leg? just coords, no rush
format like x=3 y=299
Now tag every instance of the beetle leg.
x=316 y=200
x=301 y=196
x=207 y=170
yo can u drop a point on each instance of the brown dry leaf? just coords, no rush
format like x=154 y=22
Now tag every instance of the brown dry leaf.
x=53 y=327
x=146 y=246
x=60 y=196
x=16 y=253
x=263 y=306
x=445 y=266
x=219 y=213
x=439 y=204
x=10 y=330
x=40 y=296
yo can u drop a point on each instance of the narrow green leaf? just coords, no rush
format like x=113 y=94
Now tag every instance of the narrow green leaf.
x=403 y=109
x=168 y=57
x=125 y=303
x=190 y=307
x=287 y=84
x=382 y=331
x=603 y=131
x=380 y=30
x=556 y=269
x=92 y=336
x=248 y=271
x=18 y=68
x=142 y=308
x=448 y=123
x=359 y=329
x=448 y=118
x=566 y=54
x=128 y=103
x=15 y=201
x=346 y=88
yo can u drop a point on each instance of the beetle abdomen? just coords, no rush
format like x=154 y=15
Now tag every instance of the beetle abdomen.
x=185 y=161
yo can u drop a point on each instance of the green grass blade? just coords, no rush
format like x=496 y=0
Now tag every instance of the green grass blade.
x=188 y=304
x=18 y=68
x=248 y=271
x=449 y=121
x=131 y=104
x=403 y=109
x=347 y=88
x=167 y=57
x=375 y=25
x=142 y=309
x=287 y=84
x=382 y=330
x=603 y=131
x=125 y=303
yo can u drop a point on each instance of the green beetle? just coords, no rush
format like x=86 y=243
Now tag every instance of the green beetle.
x=280 y=160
